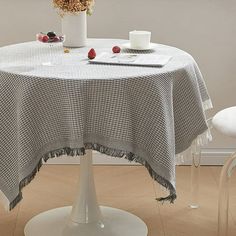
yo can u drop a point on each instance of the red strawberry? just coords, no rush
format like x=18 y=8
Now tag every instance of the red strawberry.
x=116 y=49
x=91 y=54
x=45 y=39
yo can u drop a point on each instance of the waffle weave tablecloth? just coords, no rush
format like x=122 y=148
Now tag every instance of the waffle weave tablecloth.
x=144 y=114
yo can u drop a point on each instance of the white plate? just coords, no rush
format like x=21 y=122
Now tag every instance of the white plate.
x=128 y=46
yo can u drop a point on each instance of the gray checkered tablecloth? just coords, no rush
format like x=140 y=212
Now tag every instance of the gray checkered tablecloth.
x=144 y=114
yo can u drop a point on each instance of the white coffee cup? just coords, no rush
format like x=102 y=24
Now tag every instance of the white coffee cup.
x=140 y=39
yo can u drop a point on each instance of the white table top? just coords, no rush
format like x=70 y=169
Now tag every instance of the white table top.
x=26 y=59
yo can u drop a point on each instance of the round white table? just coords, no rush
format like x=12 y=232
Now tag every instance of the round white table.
x=144 y=114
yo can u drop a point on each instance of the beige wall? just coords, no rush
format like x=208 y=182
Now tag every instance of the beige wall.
x=204 y=28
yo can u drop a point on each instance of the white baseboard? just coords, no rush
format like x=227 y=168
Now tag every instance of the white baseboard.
x=214 y=156
x=210 y=156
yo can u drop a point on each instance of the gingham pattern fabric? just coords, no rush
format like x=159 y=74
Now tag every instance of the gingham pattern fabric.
x=144 y=114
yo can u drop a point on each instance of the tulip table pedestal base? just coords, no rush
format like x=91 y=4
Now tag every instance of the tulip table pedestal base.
x=86 y=217
x=115 y=222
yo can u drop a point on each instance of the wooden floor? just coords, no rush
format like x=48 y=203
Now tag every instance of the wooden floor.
x=129 y=188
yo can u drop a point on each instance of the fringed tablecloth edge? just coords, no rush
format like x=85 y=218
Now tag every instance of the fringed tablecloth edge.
x=207 y=105
x=102 y=149
x=201 y=140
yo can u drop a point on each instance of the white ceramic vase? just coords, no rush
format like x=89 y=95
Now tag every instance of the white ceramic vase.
x=74 y=27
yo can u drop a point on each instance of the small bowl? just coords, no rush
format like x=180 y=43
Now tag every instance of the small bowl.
x=43 y=38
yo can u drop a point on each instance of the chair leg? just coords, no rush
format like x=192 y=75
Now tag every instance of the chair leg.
x=195 y=169
x=223 y=200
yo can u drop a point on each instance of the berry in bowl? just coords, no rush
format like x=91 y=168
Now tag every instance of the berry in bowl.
x=50 y=39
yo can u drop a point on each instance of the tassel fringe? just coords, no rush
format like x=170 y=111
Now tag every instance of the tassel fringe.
x=102 y=149
x=201 y=140
x=207 y=105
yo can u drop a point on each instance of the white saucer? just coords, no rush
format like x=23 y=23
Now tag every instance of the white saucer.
x=128 y=46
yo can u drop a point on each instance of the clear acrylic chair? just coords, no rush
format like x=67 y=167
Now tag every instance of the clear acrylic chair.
x=225 y=122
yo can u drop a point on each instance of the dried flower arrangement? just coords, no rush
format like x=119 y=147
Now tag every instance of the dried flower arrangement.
x=73 y=6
